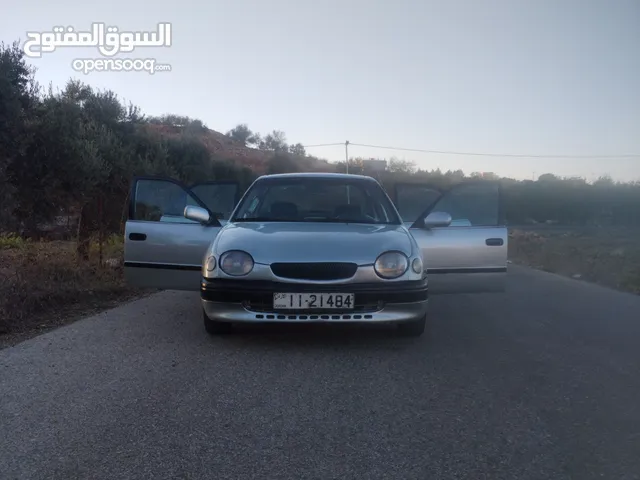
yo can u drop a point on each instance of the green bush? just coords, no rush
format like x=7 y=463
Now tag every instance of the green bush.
x=12 y=240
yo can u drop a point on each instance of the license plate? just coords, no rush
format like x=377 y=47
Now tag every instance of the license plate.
x=309 y=301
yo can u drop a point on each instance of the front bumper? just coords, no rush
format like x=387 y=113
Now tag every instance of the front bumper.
x=252 y=301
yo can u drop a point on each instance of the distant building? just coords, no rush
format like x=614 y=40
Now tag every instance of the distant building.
x=373 y=165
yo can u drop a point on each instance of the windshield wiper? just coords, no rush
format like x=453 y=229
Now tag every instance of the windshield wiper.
x=266 y=219
x=344 y=220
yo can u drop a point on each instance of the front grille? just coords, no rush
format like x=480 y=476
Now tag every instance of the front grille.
x=314 y=271
x=264 y=305
x=275 y=316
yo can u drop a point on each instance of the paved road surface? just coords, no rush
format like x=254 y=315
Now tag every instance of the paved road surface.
x=542 y=383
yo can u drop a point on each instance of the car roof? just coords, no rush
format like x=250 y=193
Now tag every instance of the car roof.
x=326 y=175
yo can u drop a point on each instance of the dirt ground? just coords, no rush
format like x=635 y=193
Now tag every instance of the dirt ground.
x=602 y=255
x=43 y=285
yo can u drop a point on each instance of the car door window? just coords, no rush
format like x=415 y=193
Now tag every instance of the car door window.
x=412 y=200
x=219 y=197
x=470 y=205
x=161 y=201
x=473 y=205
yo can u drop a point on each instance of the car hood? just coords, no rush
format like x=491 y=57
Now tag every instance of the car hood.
x=271 y=242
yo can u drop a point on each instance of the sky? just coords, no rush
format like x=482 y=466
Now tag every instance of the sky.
x=536 y=77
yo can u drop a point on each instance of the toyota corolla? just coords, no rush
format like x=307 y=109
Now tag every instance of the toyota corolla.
x=315 y=247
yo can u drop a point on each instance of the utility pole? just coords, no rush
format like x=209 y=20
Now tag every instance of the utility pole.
x=346 y=153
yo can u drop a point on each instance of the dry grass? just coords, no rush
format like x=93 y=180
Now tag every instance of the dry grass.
x=43 y=284
x=606 y=256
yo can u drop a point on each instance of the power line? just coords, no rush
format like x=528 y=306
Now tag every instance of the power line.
x=323 y=145
x=478 y=154
x=446 y=152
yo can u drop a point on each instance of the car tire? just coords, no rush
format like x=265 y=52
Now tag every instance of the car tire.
x=214 y=327
x=414 y=328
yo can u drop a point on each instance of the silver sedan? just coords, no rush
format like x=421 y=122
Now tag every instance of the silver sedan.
x=315 y=247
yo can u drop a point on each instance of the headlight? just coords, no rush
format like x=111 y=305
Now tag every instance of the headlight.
x=391 y=264
x=236 y=263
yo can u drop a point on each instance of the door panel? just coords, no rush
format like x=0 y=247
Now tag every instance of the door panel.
x=469 y=255
x=163 y=249
x=170 y=257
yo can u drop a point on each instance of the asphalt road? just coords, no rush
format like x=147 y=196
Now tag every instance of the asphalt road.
x=540 y=383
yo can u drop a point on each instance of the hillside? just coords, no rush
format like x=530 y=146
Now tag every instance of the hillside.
x=220 y=145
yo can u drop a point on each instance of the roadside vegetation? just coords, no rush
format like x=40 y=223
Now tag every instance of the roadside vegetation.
x=44 y=284
x=67 y=159
x=606 y=256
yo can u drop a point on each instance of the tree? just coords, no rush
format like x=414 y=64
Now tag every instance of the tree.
x=356 y=166
x=274 y=141
x=282 y=162
x=72 y=157
x=401 y=166
x=604 y=181
x=190 y=158
x=19 y=95
x=193 y=125
x=244 y=135
x=455 y=176
x=548 y=177
x=297 y=150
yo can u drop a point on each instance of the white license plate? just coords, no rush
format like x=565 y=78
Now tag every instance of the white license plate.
x=309 y=301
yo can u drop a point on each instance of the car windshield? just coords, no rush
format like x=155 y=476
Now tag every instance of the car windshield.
x=316 y=200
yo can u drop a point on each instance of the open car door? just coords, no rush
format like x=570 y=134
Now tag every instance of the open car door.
x=163 y=248
x=464 y=238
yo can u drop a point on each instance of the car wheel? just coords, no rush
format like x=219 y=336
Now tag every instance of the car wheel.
x=414 y=328
x=214 y=327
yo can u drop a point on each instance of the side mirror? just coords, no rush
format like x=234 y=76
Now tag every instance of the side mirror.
x=437 y=219
x=197 y=214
